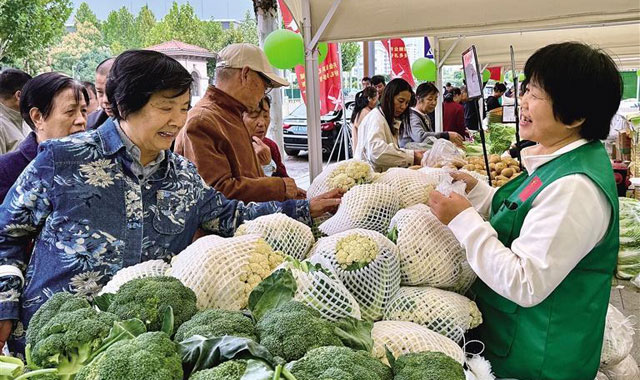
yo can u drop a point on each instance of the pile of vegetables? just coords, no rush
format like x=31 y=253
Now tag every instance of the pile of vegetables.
x=629 y=253
x=503 y=169
x=500 y=137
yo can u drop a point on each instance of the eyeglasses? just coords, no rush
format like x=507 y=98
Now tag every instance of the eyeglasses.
x=268 y=84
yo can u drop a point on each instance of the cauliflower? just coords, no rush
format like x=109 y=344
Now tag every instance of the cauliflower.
x=355 y=251
x=282 y=233
x=348 y=174
x=223 y=271
x=151 y=268
x=412 y=186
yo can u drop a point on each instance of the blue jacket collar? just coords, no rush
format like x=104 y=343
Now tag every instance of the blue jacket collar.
x=109 y=137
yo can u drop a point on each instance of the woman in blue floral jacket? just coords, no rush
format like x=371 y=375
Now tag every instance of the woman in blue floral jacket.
x=99 y=201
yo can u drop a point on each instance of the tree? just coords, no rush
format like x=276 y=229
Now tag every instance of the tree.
x=85 y=14
x=120 y=32
x=145 y=21
x=80 y=52
x=29 y=27
x=249 y=29
x=181 y=23
x=350 y=53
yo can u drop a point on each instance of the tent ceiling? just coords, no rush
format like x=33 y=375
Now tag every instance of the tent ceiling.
x=358 y=20
x=622 y=42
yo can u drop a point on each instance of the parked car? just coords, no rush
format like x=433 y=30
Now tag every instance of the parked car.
x=294 y=130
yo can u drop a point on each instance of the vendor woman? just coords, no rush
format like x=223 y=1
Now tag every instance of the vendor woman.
x=547 y=254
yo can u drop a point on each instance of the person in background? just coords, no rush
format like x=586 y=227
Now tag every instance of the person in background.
x=266 y=149
x=545 y=245
x=493 y=101
x=102 y=114
x=420 y=128
x=93 y=96
x=447 y=88
x=366 y=82
x=53 y=105
x=378 y=132
x=378 y=82
x=367 y=101
x=470 y=110
x=215 y=137
x=453 y=113
x=13 y=129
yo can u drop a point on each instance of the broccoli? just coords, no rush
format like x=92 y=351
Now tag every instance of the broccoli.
x=292 y=329
x=427 y=366
x=150 y=356
x=231 y=370
x=147 y=298
x=65 y=332
x=339 y=363
x=214 y=322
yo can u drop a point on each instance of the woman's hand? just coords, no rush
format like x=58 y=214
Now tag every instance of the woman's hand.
x=262 y=151
x=417 y=157
x=5 y=331
x=466 y=178
x=447 y=208
x=323 y=203
x=455 y=138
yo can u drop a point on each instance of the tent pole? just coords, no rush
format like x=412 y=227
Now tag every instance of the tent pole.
x=446 y=56
x=325 y=22
x=436 y=56
x=314 y=135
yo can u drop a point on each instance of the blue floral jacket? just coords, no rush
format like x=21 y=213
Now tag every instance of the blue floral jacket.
x=90 y=217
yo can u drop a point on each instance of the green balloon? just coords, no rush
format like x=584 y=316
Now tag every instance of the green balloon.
x=284 y=49
x=521 y=77
x=638 y=72
x=323 y=50
x=486 y=75
x=508 y=76
x=502 y=78
x=424 y=69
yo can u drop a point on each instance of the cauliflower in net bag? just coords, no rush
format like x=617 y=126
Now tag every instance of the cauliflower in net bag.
x=368 y=206
x=341 y=175
x=444 y=312
x=411 y=186
x=223 y=271
x=428 y=251
x=372 y=281
x=407 y=337
x=151 y=268
x=283 y=233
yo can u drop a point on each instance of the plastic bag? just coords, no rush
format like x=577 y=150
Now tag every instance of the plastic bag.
x=444 y=154
x=627 y=369
x=448 y=186
x=618 y=338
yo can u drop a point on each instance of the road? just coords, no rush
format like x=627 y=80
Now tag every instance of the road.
x=298 y=168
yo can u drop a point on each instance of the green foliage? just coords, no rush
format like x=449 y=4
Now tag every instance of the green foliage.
x=292 y=329
x=80 y=52
x=120 y=31
x=150 y=356
x=231 y=370
x=350 y=53
x=339 y=363
x=215 y=323
x=146 y=298
x=501 y=136
x=427 y=366
x=85 y=14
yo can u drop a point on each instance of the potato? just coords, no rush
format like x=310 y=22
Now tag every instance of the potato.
x=469 y=167
x=500 y=183
x=515 y=168
x=458 y=163
x=493 y=174
x=494 y=158
x=507 y=172
x=499 y=167
x=494 y=183
x=492 y=166
x=502 y=178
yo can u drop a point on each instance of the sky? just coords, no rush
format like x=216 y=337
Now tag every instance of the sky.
x=205 y=9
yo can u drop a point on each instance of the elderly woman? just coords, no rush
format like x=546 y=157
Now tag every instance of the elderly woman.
x=257 y=122
x=113 y=197
x=53 y=105
x=378 y=132
x=546 y=256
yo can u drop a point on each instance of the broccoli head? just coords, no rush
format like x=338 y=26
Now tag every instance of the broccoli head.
x=292 y=329
x=65 y=332
x=149 y=356
x=214 y=323
x=427 y=366
x=147 y=298
x=339 y=363
x=231 y=370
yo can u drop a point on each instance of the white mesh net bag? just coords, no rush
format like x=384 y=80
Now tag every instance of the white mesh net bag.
x=151 y=268
x=411 y=186
x=444 y=312
x=466 y=278
x=283 y=234
x=601 y=376
x=438 y=173
x=627 y=369
x=322 y=290
x=372 y=273
x=344 y=175
x=365 y=206
x=618 y=338
x=223 y=271
x=408 y=337
x=428 y=251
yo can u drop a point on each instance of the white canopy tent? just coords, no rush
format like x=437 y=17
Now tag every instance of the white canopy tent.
x=359 y=20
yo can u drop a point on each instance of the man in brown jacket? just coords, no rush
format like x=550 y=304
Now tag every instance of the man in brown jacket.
x=215 y=137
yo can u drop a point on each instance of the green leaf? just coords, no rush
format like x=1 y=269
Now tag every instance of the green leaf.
x=121 y=330
x=199 y=352
x=167 y=321
x=258 y=370
x=37 y=373
x=10 y=370
x=103 y=301
x=273 y=291
x=390 y=358
x=393 y=235
x=355 y=333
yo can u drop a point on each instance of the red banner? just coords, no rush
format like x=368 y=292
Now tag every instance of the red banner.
x=400 y=66
x=328 y=71
x=495 y=71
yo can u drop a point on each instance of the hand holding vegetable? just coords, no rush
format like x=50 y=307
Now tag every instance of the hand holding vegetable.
x=466 y=178
x=5 y=331
x=323 y=203
x=447 y=208
x=456 y=139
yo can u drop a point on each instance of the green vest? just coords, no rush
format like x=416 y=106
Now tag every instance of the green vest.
x=560 y=338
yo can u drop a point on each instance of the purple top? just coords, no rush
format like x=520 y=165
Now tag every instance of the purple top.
x=13 y=163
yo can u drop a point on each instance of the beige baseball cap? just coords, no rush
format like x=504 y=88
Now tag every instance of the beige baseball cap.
x=238 y=56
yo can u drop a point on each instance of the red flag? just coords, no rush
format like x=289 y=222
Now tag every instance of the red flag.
x=328 y=71
x=495 y=72
x=400 y=66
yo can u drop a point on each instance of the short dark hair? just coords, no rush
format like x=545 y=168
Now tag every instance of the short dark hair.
x=499 y=87
x=104 y=67
x=41 y=91
x=362 y=100
x=569 y=72
x=377 y=79
x=90 y=87
x=11 y=81
x=138 y=74
x=391 y=90
x=448 y=84
x=426 y=89
x=365 y=78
